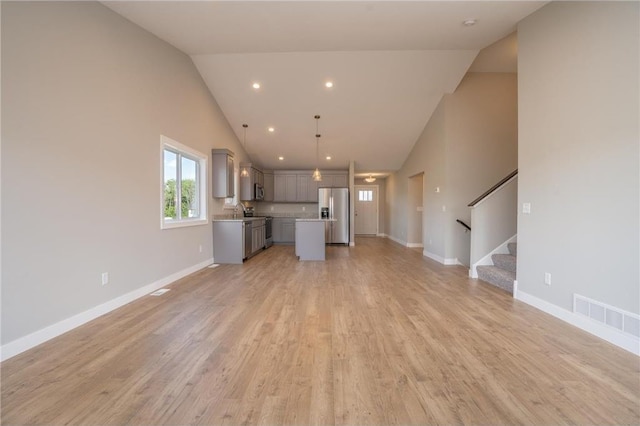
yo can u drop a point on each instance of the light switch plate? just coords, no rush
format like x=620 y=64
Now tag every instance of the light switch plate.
x=526 y=208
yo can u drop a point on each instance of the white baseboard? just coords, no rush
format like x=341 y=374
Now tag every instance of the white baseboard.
x=440 y=259
x=486 y=260
x=29 y=341
x=383 y=235
x=415 y=245
x=397 y=240
x=622 y=340
x=352 y=244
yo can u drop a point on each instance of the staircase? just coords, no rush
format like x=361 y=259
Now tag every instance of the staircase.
x=503 y=271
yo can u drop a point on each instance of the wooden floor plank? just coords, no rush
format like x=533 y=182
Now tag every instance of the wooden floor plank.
x=377 y=334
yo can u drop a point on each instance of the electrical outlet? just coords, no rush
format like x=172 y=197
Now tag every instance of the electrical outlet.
x=271 y=208
x=105 y=278
x=304 y=209
x=547 y=278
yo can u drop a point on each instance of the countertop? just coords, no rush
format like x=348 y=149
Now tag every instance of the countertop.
x=315 y=220
x=237 y=219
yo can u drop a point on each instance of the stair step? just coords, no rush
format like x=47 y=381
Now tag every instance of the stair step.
x=505 y=261
x=513 y=248
x=497 y=277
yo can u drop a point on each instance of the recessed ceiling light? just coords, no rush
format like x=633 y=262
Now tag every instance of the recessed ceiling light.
x=469 y=22
x=281 y=158
x=256 y=85
x=271 y=129
x=328 y=157
x=328 y=84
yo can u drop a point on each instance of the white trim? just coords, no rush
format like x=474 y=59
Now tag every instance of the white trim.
x=611 y=335
x=415 y=245
x=501 y=249
x=352 y=244
x=383 y=235
x=29 y=341
x=397 y=240
x=515 y=289
x=445 y=261
x=435 y=257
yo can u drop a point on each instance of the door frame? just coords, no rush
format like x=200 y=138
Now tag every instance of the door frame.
x=377 y=198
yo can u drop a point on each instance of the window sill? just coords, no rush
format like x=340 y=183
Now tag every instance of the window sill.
x=183 y=223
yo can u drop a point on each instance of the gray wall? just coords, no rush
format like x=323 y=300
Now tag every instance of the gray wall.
x=85 y=97
x=469 y=144
x=579 y=155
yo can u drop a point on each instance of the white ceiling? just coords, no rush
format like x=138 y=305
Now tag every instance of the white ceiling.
x=390 y=62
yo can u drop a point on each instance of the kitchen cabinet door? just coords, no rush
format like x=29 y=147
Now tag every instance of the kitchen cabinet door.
x=340 y=181
x=289 y=231
x=268 y=187
x=223 y=185
x=291 y=188
x=302 y=193
x=276 y=230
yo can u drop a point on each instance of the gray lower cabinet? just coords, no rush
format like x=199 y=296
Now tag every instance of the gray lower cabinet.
x=283 y=230
x=228 y=241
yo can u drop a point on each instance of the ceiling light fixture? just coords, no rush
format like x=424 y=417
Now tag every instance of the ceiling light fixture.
x=256 y=85
x=271 y=129
x=469 y=22
x=328 y=84
x=281 y=158
x=370 y=179
x=328 y=157
x=317 y=177
x=244 y=172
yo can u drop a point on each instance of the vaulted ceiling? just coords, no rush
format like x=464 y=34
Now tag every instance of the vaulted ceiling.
x=390 y=63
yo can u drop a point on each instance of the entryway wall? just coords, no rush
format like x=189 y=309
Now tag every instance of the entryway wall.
x=415 y=212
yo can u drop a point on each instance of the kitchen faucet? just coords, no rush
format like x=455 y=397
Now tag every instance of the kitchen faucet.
x=244 y=209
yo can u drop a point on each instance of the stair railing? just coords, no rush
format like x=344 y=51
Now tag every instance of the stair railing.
x=494 y=188
x=463 y=224
x=494 y=219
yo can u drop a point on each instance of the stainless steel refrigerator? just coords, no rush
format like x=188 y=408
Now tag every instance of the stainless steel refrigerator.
x=333 y=203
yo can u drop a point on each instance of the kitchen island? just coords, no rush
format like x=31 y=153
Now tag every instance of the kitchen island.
x=310 y=242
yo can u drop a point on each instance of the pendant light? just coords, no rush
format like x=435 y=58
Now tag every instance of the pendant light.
x=317 y=177
x=244 y=172
x=370 y=179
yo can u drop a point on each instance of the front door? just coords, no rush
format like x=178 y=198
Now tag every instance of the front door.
x=366 y=219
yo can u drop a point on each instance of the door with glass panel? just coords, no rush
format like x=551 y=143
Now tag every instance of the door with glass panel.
x=366 y=210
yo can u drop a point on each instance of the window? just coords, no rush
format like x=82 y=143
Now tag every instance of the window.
x=183 y=194
x=365 y=195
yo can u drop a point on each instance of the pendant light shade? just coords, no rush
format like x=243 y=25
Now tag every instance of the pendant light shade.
x=370 y=179
x=244 y=172
x=317 y=177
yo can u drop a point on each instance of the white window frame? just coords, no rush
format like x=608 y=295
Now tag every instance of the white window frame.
x=192 y=154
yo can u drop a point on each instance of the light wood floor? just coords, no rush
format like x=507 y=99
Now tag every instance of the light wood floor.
x=377 y=334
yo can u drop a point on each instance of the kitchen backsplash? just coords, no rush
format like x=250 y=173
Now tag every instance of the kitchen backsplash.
x=301 y=210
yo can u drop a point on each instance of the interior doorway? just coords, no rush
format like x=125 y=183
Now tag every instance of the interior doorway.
x=415 y=211
x=366 y=210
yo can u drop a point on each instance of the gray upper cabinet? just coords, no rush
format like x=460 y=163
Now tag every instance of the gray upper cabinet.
x=222 y=173
x=268 y=186
x=285 y=188
x=299 y=186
